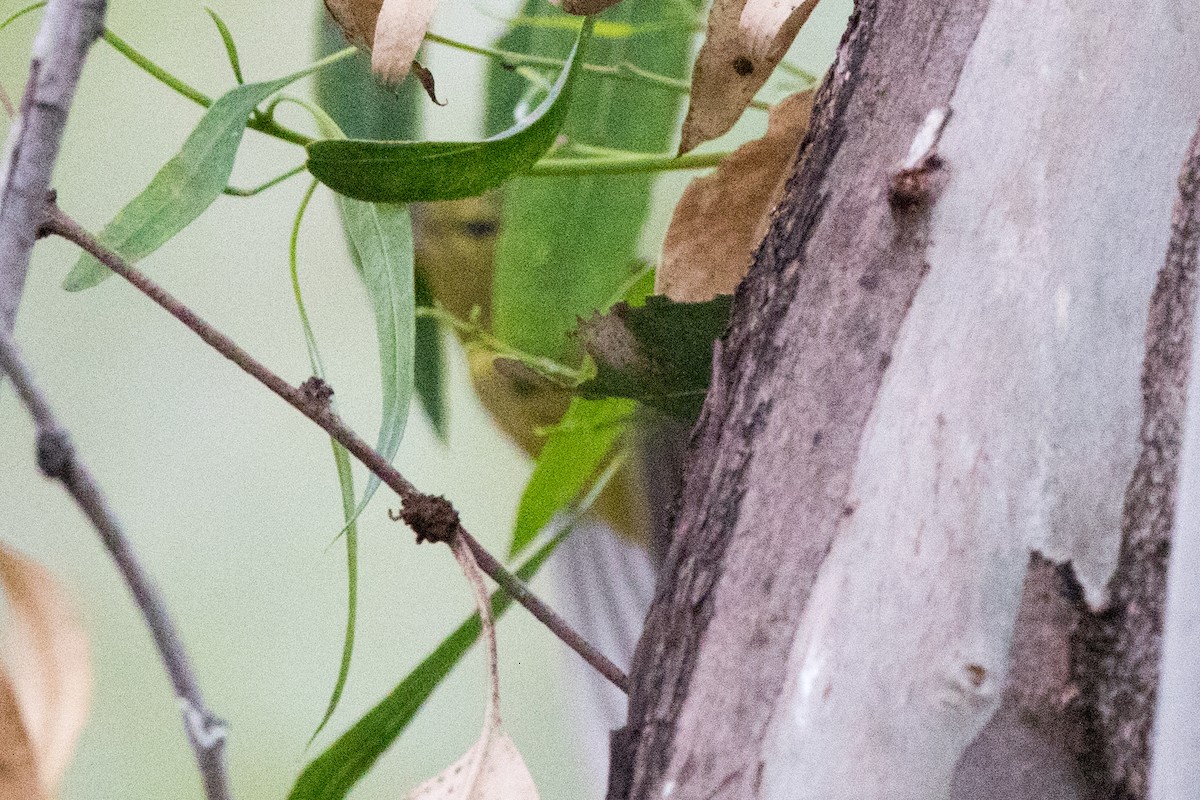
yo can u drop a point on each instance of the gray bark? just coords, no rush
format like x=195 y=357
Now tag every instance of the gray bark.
x=69 y=27
x=921 y=544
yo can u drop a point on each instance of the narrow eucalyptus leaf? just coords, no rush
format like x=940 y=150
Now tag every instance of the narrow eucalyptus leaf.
x=381 y=246
x=231 y=51
x=402 y=172
x=183 y=189
x=574 y=452
x=332 y=774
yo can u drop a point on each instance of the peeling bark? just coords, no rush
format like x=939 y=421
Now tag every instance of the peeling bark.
x=931 y=378
x=1117 y=652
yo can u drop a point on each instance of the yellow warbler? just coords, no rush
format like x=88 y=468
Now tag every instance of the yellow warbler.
x=455 y=252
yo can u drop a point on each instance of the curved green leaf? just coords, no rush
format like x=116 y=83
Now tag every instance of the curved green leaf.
x=185 y=187
x=235 y=61
x=381 y=246
x=402 y=172
x=341 y=459
x=332 y=774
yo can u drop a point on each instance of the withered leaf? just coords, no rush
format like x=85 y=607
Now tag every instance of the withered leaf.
x=722 y=217
x=356 y=18
x=18 y=764
x=49 y=669
x=425 y=76
x=399 y=32
x=659 y=353
x=492 y=769
x=391 y=29
x=746 y=40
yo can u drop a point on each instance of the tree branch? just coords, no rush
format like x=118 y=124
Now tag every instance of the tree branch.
x=57 y=460
x=432 y=518
x=68 y=29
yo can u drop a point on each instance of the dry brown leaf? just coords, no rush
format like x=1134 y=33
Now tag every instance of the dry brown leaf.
x=746 y=40
x=391 y=29
x=399 y=31
x=48 y=664
x=18 y=764
x=722 y=217
x=492 y=769
x=356 y=18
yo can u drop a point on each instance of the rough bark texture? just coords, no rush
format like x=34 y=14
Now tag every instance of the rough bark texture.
x=1020 y=462
x=857 y=273
x=1176 y=736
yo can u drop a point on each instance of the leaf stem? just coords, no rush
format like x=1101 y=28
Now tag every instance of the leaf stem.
x=432 y=517
x=177 y=85
x=554 y=371
x=260 y=122
x=622 y=71
x=620 y=165
x=262 y=187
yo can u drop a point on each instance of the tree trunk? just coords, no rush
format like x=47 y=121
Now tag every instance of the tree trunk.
x=920 y=549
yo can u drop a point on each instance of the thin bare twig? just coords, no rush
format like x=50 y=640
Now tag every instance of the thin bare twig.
x=432 y=518
x=57 y=460
x=68 y=29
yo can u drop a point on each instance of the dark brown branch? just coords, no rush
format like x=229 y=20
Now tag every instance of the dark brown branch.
x=57 y=460
x=68 y=29
x=432 y=518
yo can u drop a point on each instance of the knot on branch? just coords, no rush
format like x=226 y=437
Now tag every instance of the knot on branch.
x=912 y=187
x=206 y=731
x=55 y=455
x=431 y=517
x=317 y=393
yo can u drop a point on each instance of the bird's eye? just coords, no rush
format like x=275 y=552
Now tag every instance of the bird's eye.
x=480 y=228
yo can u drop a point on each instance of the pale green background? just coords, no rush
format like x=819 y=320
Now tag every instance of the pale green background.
x=229 y=495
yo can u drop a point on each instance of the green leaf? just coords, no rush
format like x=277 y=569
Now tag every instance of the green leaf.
x=350 y=512
x=429 y=368
x=349 y=93
x=364 y=109
x=659 y=354
x=381 y=247
x=235 y=62
x=567 y=243
x=345 y=475
x=575 y=451
x=332 y=774
x=402 y=172
x=184 y=188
